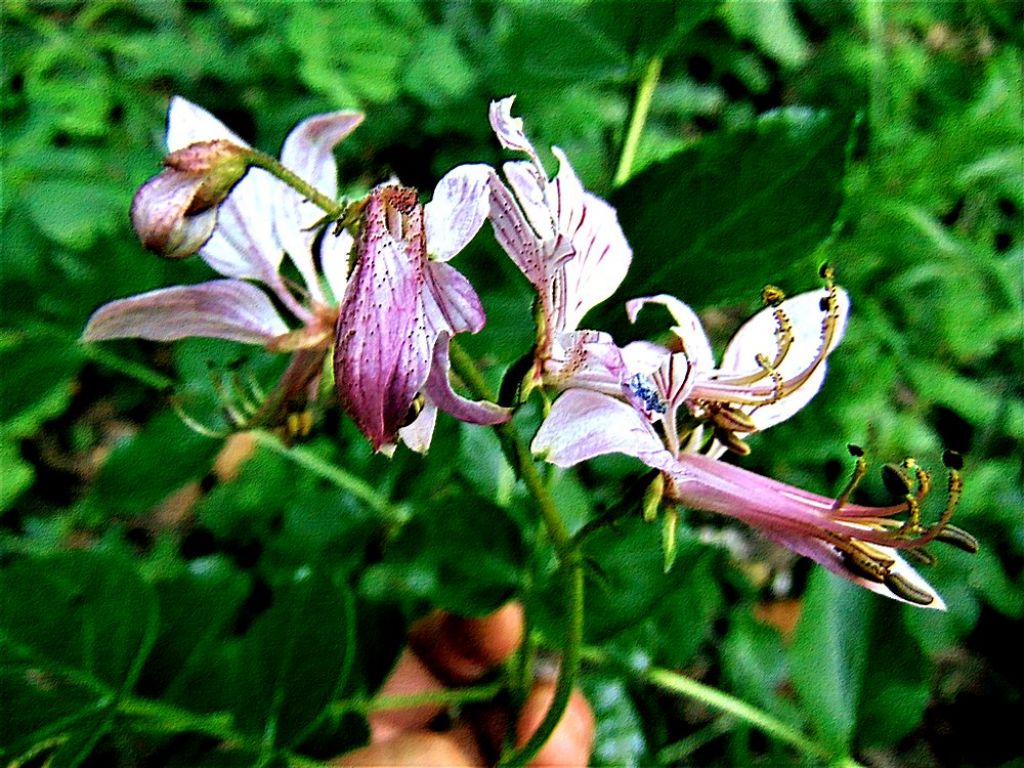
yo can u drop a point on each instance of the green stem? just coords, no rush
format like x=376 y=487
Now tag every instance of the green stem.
x=568 y=673
x=713 y=697
x=444 y=698
x=466 y=368
x=641 y=108
x=271 y=165
x=569 y=559
x=358 y=487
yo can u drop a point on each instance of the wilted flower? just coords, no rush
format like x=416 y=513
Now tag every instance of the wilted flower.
x=403 y=304
x=569 y=245
x=260 y=220
x=772 y=367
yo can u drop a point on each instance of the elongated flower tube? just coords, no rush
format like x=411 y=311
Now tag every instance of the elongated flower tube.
x=260 y=220
x=568 y=244
x=403 y=304
x=659 y=417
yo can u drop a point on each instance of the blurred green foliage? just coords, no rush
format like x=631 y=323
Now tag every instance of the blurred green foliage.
x=146 y=590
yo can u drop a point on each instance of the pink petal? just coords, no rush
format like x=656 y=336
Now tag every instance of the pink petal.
x=584 y=424
x=222 y=309
x=243 y=244
x=439 y=391
x=687 y=327
x=508 y=129
x=383 y=351
x=457 y=210
x=515 y=235
x=825 y=555
x=585 y=359
x=450 y=302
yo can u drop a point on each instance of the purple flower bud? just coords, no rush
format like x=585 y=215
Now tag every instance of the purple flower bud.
x=175 y=212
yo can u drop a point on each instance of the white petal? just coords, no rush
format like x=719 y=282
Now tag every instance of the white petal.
x=243 y=245
x=458 y=210
x=188 y=123
x=584 y=424
x=222 y=309
x=336 y=260
x=418 y=435
x=757 y=335
x=601 y=255
x=308 y=152
x=643 y=357
x=688 y=328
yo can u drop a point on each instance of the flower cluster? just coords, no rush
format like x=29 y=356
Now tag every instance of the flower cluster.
x=382 y=293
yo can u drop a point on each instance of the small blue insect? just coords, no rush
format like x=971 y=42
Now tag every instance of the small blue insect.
x=644 y=390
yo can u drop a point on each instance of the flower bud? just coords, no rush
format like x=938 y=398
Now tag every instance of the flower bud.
x=175 y=212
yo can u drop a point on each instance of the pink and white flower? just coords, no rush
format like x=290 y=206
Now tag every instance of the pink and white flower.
x=251 y=230
x=569 y=245
x=772 y=368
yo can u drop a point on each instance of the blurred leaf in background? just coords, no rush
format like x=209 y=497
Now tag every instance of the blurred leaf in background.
x=167 y=598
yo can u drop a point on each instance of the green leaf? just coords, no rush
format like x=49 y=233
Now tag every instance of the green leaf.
x=756 y=666
x=719 y=220
x=150 y=466
x=294 y=659
x=75 y=629
x=197 y=608
x=81 y=611
x=463 y=554
x=771 y=25
x=896 y=687
x=830 y=652
x=16 y=472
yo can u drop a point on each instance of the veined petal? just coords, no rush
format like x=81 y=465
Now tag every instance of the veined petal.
x=458 y=210
x=243 y=244
x=802 y=521
x=687 y=327
x=450 y=303
x=384 y=346
x=584 y=424
x=587 y=360
x=530 y=186
x=515 y=235
x=601 y=255
x=308 y=152
x=222 y=309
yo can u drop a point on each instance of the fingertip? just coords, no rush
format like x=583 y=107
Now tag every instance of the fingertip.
x=572 y=740
x=460 y=649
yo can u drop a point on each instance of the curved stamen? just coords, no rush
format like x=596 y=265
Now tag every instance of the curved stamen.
x=737 y=389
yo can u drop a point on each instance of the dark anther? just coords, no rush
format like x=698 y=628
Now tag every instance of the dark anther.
x=855 y=450
x=953 y=460
x=897 y=483
x=823 y=304
x=825 y=270
x=958 y=538
x=900 y=587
